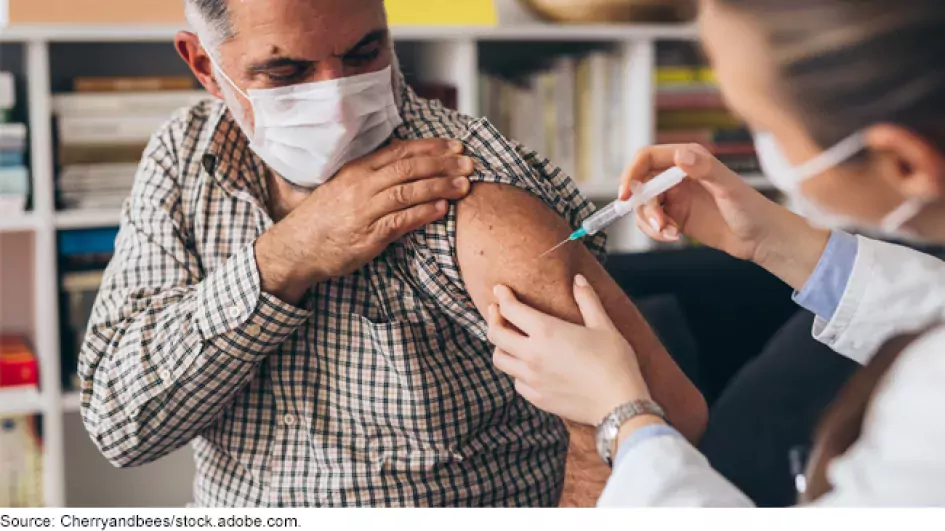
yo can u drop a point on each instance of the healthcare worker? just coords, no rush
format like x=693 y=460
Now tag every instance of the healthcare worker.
x=847 y=99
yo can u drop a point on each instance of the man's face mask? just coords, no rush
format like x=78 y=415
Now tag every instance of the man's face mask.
x=307 y=132
x=788 y=179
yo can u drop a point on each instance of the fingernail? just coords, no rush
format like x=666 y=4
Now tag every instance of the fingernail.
x=623 y=191
x=671 y=232
x=442 y=205
x=686 y=156
x=655 y=224
x=497 y=291
x=461 y=183
x=457 y=146
x=580 y=281
x=466 y=164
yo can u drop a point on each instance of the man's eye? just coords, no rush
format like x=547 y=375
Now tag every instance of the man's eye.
x=286 y=74
x=362 y=57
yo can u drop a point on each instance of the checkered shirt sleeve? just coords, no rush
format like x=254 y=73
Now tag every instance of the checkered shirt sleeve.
x=168 y=345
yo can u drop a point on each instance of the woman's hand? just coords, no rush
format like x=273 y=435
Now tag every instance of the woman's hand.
x=577 y=372
x=716 y=207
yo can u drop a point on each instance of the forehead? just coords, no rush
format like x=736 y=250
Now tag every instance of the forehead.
x=310 y=28
x=744 y=63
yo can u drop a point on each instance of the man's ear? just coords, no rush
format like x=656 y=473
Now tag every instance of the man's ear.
x=192 y=52
x=911 y=164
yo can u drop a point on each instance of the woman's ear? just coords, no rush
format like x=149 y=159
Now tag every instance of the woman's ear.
x=908 y=162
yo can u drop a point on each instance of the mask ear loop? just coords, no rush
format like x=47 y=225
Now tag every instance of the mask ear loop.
x=838 y=154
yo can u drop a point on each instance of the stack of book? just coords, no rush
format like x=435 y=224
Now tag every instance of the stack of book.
x=103 y=128
x=14 y=175
x=690 y=109
x=571 y=113
x=21 y=449
x=83 y=256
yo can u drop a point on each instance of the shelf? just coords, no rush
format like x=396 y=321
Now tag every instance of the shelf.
x=87 y=219
x=520 y=32
x=23 y=222
x=20 y=401
x=71 y=401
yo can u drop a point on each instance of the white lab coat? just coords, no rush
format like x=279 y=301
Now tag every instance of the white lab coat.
x=899 y=459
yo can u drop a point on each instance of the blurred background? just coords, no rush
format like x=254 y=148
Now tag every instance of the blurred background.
x=84 y=83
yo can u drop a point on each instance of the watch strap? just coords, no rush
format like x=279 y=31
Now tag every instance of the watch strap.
x=608 y=428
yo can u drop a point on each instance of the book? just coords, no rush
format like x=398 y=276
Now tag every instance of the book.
x=133 y=84
x=87 y=242
x=7 y=91
x=696 y=99
x=741 y=164
x=98 y=173
x=79 y=291
x=132 y=103
x=695 y=119
x=14 y=181
x=445 y=94
x=21 y=462
x=13 y=137
x=12 y=158
x=704 y=136
x=107 y=130
x=100 y=154
x=18 y=365
x=684 y=75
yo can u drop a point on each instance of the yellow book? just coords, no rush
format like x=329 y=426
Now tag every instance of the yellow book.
x=441 y=13
x=583 y=111
x=676 y=75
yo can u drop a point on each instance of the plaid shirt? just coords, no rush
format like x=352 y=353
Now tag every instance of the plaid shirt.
x=378 y=390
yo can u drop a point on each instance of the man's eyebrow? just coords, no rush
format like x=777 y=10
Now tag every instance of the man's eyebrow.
x=279 y=62
x=377 y=35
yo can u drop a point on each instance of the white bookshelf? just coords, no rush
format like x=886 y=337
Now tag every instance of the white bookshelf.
x=440 y=54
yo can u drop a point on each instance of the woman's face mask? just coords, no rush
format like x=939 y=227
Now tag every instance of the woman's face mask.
x=307 y=132
x=789 y=179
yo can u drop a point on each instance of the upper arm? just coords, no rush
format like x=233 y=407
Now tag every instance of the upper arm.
x=501 y=231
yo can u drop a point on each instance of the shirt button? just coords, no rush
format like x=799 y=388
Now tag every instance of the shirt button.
x=253 y=330
x=289 y=420
x=234 y=312
x=165 y=375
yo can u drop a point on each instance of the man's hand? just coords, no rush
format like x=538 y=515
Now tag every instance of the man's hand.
x=353 y=218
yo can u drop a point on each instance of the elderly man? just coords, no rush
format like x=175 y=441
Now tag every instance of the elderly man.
x=311 y=321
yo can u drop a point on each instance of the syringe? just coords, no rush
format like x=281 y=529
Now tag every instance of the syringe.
x=613 y=212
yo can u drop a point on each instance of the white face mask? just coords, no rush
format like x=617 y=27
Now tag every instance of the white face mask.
x=307 y=132
x=787 y=178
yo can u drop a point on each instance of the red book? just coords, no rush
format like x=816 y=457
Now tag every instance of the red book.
x=18 y=366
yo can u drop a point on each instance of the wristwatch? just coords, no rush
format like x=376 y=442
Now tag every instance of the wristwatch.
x=609 y=427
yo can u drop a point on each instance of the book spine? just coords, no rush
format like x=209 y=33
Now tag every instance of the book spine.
x=566 y=143
x=599 y=117
x=108 y=130
x=584 y=116
x=132 y=84
x=100 y=154
x=134 y=104
x=7 y=91
x=666 y=101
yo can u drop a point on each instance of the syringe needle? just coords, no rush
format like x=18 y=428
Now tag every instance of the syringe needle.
x=553 y=249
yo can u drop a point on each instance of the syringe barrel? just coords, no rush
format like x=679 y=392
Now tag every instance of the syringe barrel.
x=609 y=214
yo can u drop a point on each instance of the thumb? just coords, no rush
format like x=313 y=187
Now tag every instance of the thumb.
x=592 y=310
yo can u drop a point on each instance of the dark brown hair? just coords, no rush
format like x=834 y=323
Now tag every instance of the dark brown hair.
x=848 y=64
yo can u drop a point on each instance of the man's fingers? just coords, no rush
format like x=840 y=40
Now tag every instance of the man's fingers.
x=418 y=168
x=394 y=226
x=522 y=316
x=412 y=148
x=592 y=310
x=416 y=193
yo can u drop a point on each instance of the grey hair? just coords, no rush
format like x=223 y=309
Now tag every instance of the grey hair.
x=210 y=19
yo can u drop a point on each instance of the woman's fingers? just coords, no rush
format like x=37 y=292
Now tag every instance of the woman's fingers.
x=524 y=317
x=510 y=365
x=654 y=222
x=504 y=336
x=595 y=316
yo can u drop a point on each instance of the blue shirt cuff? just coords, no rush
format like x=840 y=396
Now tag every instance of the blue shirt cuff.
x=643 y=434
x=825 y=287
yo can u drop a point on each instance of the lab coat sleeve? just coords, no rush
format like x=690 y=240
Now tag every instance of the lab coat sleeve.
x=666 y=471
x=892 y=290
